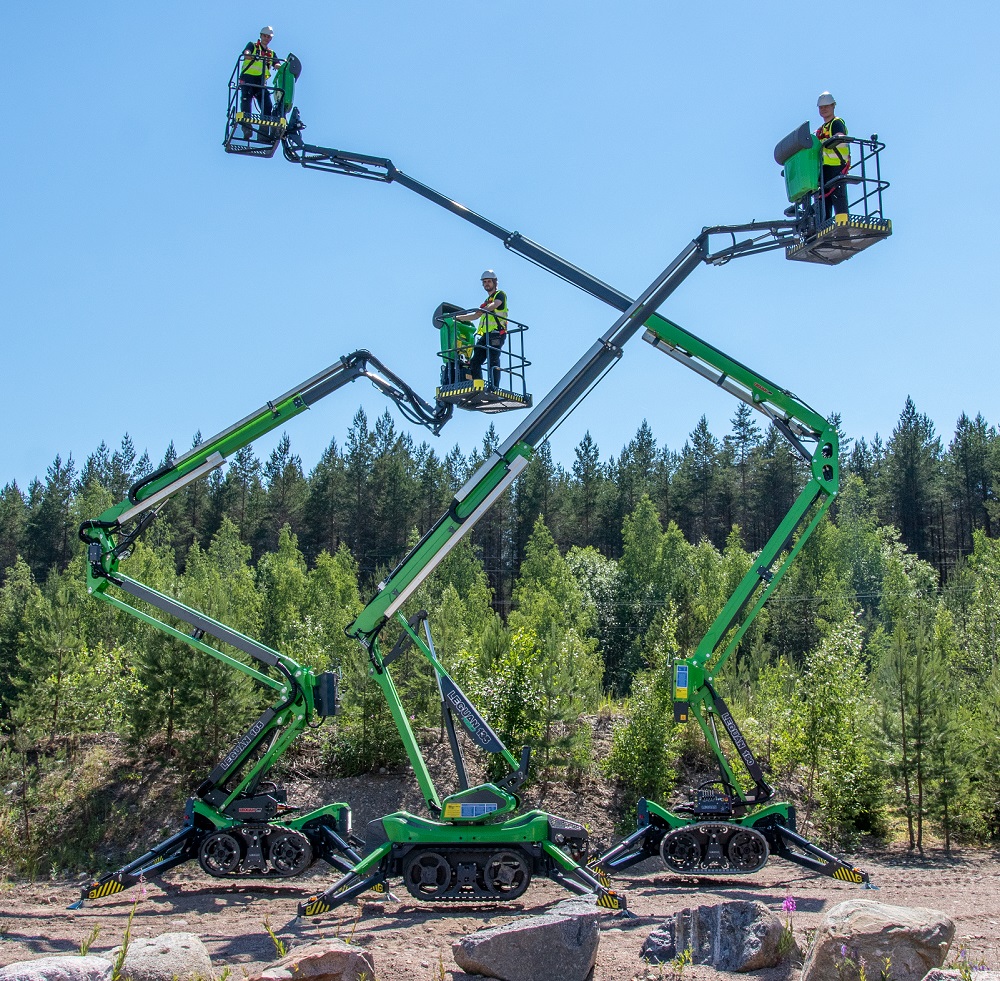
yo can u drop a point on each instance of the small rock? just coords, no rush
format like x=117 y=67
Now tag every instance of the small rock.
x=736 y=936
x=168 y=957
x=325 y=960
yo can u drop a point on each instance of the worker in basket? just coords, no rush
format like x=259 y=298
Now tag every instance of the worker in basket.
x=836 y=159
x=258 y=60
x=492 y=330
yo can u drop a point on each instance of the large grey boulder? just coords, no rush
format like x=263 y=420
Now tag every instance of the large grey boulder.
x=551 y=947
x=736 y=936
x=61 y=968
x=324 y=960
x=180 y=956
x=577 y=906
x=915 y=941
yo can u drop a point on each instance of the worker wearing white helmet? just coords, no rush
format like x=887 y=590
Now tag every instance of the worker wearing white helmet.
x=492 y=330
x=836 y=159
x=257 y=62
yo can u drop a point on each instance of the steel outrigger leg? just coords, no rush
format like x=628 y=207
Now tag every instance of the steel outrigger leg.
x=792 y=847
x=353 y=883
x=635 y=848
x=582 y=881
x=334 y=847
x=176 y=850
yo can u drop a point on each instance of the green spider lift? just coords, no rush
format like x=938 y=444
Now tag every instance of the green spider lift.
x=237 y=822
x=724 y=828
x=474 y=847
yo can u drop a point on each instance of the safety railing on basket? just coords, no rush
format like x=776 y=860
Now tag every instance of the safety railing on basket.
x=503 y=361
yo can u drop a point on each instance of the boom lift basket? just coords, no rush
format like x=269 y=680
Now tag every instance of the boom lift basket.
x=258 y=134
x=829 y=239
x=459 y=386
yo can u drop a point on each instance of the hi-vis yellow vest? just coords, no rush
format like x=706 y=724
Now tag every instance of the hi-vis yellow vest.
x=497 y=320
x=258 y=62
x=830 y=153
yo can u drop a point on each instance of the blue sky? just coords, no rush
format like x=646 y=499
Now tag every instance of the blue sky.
x=155 y=285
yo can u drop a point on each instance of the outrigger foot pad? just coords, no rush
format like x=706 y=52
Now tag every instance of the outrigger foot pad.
x=347 y=887
x=584 y=882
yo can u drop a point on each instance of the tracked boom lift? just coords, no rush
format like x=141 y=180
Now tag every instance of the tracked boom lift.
x=238 y=822
x=724 y=828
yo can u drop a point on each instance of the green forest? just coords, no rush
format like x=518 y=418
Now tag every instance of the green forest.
x=869 y=686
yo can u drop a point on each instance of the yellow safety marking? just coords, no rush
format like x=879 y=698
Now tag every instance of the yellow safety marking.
x=600 y=875
x=452 y=810
x=316 y=906
x=108 y=889
x=849 y=875
x=378 y=887
x=609 y=900
x=239 y=116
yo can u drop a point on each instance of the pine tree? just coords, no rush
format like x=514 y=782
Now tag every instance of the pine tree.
x=914 y=474
x=359 y=457
x=640 y=592
x=433 y=489
x=13 y=522
x=53 y=643
x=219 y=699
x=393 y=472
x=533 y=498
x=838 y=746
x=969 y=478
x=589 y=477
x=285 y=496
x=741 y=443
x=50 y=535
x=20 y=599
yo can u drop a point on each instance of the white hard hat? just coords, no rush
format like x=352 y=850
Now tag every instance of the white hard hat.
x=825 y=99
x=489 y=274
x=268 y=30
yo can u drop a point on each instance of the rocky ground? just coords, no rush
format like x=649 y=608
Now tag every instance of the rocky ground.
x=410 y=940
x=413 y=940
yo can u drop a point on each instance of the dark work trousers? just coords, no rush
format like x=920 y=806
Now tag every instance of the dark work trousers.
x=836 y=200
x=252 y=87
x=488 y=346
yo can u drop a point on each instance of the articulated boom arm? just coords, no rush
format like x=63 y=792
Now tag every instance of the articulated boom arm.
x=816 y=441
x=301 y=694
